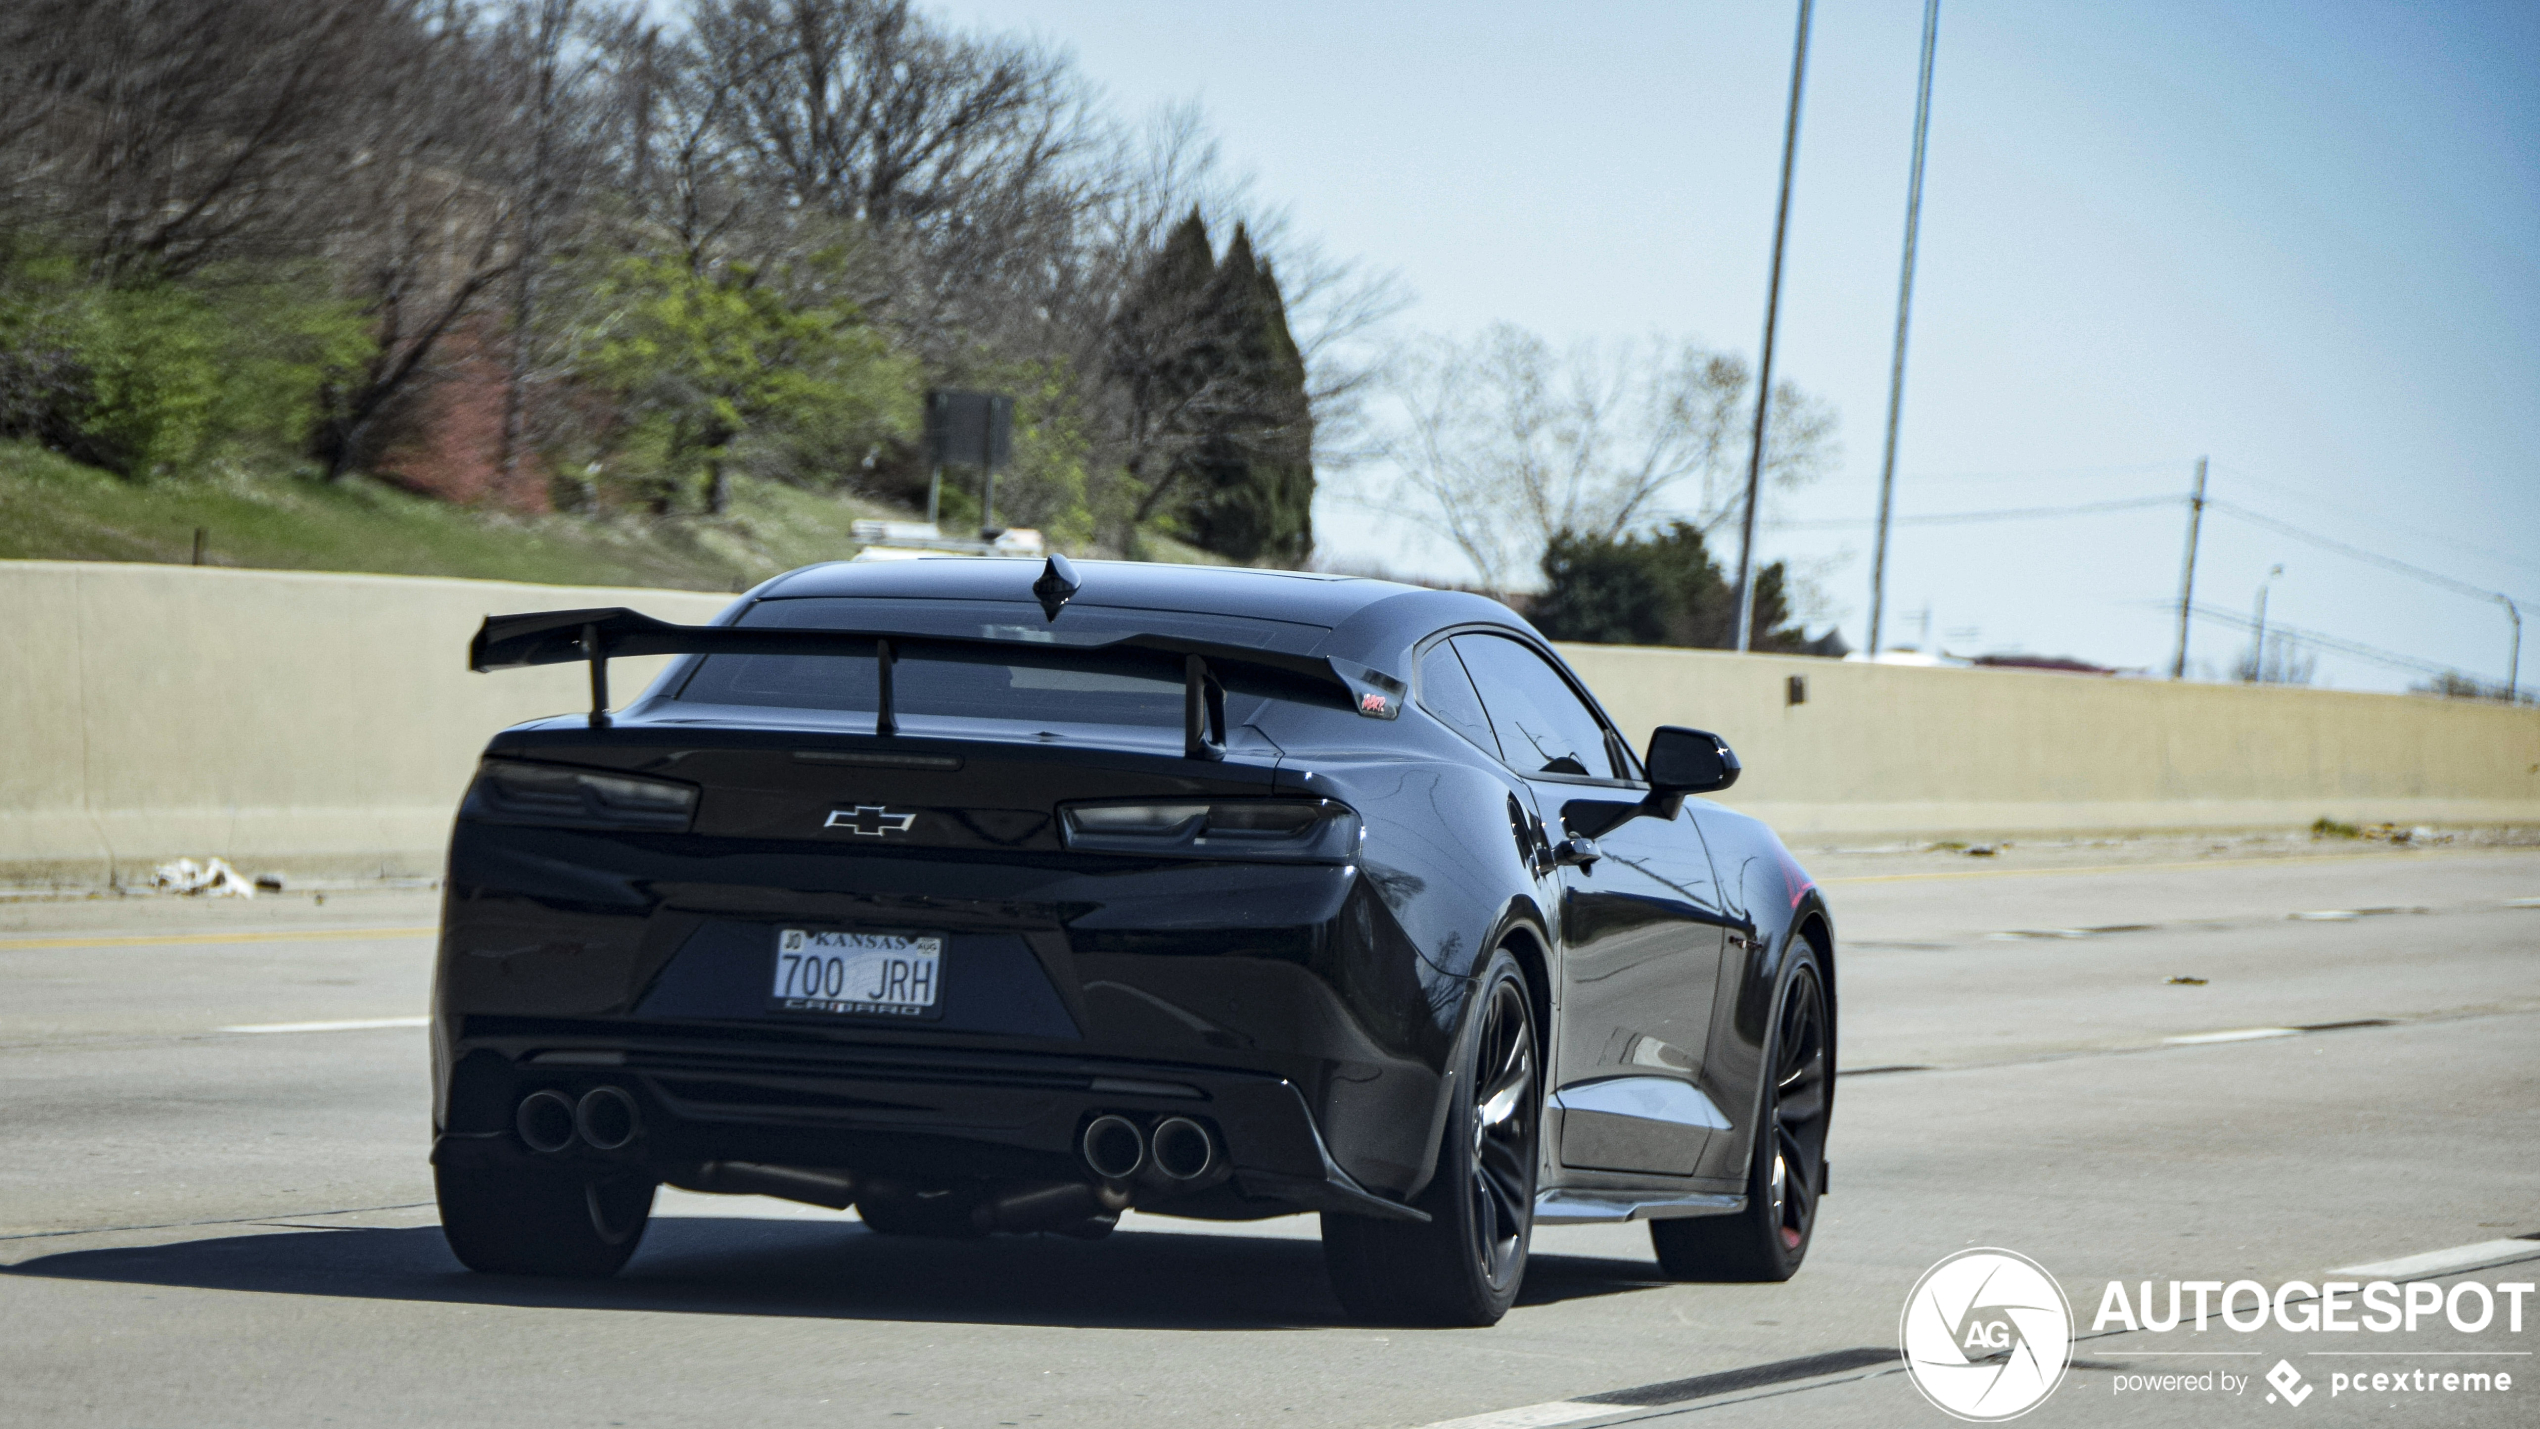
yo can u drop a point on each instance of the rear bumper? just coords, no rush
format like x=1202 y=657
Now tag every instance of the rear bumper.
x=716 y=1094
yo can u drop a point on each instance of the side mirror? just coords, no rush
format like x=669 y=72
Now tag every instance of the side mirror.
x=1689 y=761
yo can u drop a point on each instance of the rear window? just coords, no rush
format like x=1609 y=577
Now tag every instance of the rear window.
x=1019 y=691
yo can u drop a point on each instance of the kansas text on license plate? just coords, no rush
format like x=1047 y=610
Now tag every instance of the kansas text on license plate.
x=893 y=974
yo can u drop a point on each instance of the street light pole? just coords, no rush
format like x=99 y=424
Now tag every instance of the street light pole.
x=1904 y=308
x=1764 y=363
x=2258 y=652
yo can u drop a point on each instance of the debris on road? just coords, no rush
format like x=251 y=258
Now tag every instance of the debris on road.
x=212 y=878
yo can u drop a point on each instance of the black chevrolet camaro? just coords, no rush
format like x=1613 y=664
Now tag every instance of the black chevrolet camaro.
x=984 y=896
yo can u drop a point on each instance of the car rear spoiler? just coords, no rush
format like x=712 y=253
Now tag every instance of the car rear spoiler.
x=555 y=637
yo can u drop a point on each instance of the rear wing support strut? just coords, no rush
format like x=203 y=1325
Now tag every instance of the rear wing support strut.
x=1203 y=712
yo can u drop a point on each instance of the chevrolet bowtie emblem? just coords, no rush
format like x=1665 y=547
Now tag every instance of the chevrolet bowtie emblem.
x=870 y=819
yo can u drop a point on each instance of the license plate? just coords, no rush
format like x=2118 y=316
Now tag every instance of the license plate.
x=871 y=974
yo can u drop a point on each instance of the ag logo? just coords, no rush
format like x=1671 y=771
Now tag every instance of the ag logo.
x=1987 y=1334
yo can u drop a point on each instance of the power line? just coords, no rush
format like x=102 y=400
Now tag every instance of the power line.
x=2059 y=473
x=2008 y=513
x=2354 y=648
x=2328 y=543
x=2448 y=538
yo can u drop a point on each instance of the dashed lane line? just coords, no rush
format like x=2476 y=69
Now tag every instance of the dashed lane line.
x=2197 y=1039
x=1674 y=1391
x=275 y=935
x=2434 y=1263
x=2238 y=1034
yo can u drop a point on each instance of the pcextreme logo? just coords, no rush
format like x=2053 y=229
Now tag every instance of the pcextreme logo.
x=1987 y=1334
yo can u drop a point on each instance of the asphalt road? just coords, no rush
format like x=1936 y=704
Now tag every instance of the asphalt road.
x=207 y=1225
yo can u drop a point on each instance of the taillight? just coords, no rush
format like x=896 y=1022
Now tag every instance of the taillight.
x=1284 y=830
x=509 y=792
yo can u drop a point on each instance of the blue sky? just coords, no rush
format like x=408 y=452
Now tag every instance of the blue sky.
x=2302 y=239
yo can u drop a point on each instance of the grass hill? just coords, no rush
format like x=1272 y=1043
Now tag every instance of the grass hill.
x=52 y=508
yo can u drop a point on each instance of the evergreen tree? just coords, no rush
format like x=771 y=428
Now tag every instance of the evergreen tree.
x=1663 y=589
x=1251 y=491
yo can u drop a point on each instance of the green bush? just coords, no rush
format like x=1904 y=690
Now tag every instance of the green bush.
x=733 y=366
x=155 y=377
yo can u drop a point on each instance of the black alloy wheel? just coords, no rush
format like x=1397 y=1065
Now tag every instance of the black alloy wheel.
x=1769 y=1239
x=541 y=1222
x=1464 y=1265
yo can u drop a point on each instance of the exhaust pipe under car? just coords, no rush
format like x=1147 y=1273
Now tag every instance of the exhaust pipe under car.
x=1070 y=1207
x=1113 y=1147
x=835 y=1189
x=545 y=1122
x=1182 y=1148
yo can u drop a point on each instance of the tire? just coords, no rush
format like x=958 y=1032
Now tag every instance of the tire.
x=542 y=1222
x=1768 y=1240
x=1463 y=1266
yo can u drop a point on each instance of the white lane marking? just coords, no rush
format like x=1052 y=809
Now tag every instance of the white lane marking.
x=358 y=1025
x=2243 y=1034
x=2522 y=902
x=1533 y=1416
x=2325 y=915
x=2444 y=1262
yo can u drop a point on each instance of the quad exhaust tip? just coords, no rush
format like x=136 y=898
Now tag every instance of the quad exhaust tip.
x=1114 y=1147
x=1183 y=1148
x=607 y=1119
x=545 y=1121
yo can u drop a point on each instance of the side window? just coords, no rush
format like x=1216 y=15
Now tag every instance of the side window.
x=1543 y=728
x=1447 y=692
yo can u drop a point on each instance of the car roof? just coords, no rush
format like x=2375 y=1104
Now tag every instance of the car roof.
x=1302 y=596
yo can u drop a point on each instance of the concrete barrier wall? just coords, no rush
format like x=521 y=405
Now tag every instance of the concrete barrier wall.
x=326 y=724
x=282 y=720
x=1890 y=750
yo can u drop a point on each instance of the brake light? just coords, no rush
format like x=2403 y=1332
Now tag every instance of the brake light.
x=510 y=792
x=1285 y=830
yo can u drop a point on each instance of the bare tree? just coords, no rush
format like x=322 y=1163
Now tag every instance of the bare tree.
x=1503 y=443
x=430 y=222
x=954 y=157
x=554 y=56
x=160 y=138
x=672 y=117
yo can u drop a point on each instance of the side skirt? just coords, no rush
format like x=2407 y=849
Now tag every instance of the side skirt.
x=1581 y=1208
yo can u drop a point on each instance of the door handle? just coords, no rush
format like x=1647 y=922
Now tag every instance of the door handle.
x=1576 y=852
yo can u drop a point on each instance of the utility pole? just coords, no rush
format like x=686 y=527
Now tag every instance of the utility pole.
x=2187 y=578
x=1764 y=363
x=1904 y=308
